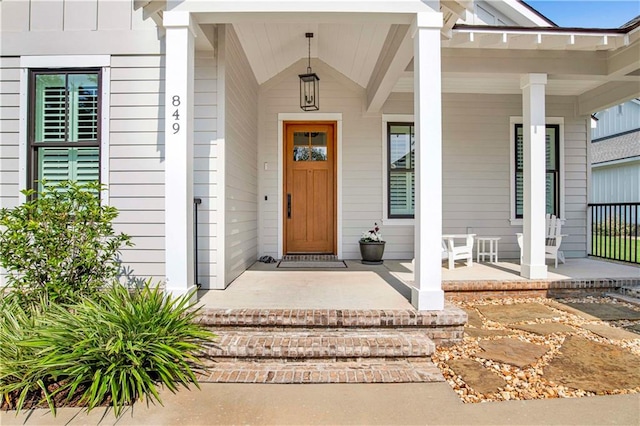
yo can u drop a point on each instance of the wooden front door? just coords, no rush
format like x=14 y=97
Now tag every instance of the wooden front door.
x=309 y=187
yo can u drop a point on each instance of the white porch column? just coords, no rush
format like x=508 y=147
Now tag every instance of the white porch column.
x=178 y=133
x=534 y=141
x=427 y=293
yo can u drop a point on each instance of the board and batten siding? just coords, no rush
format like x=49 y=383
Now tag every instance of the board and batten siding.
x=241 y=159
x=616 y=183
x=476 y=166
x=617 y=119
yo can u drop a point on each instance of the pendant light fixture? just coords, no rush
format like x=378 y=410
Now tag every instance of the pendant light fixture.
x=309 y=85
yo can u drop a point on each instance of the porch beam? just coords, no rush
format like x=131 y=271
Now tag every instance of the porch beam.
x=396 y=54
x=625 y=60
x=179 y=98
x=534 y=144
x=607 y=95
x=499 y=61
x=427 y=293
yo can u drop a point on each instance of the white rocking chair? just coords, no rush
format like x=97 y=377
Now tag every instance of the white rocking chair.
x=552 y=240
x=453 y=252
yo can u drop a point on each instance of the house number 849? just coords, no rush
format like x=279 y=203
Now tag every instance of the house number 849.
x=175 y=101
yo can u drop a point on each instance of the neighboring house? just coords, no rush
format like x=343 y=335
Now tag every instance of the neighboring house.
x=615 y=154
x=435 y=117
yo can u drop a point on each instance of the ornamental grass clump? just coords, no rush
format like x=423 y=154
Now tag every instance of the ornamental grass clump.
x=60 y=246
x=112 y=350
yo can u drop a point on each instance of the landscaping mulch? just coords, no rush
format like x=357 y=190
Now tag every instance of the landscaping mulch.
x=536 y=348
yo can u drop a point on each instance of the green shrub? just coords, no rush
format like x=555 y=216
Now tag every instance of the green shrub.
x=116 y=348
x=60 y=245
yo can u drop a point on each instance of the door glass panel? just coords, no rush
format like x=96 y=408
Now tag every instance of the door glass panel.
x=300 y=153
x=319 y=153
x=309 y=146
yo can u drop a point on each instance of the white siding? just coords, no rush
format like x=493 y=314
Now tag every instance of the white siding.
x=241 y=118
x=618 y=119
x=45 y=27
x=361 y=159
x=476 y=166
x=136 y=141
x=206 y=168
x=9 y=126
x=618 y=183
x=136 y=163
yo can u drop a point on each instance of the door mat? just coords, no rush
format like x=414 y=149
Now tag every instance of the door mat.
x=313 y=264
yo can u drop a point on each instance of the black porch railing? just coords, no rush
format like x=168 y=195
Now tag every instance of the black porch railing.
x=615 y=233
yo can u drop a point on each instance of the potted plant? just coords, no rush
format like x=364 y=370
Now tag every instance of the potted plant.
x=372 y=246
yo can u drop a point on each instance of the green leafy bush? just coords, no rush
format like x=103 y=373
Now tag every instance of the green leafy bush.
x=60 y=245
x=115 y=349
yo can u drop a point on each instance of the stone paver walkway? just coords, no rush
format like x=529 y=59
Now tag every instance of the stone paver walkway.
x=543 y=348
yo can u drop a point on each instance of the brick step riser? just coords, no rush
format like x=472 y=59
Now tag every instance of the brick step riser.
x=214 y=361
x=385 y=371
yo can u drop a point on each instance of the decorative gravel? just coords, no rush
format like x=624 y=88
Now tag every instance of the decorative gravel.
x=553 y=374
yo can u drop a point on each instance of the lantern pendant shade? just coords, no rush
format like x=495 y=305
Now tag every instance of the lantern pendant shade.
x=309 y=91
x=309 y=85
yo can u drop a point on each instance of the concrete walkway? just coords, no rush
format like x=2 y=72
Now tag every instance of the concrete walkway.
x=366 y=404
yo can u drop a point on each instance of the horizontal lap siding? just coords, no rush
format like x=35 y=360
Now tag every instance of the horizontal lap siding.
x=361 y=149
x=136 y=163
x=9 y=127
x=476 y=166
x=9 y=142
x=241 y=118
x=206 y=168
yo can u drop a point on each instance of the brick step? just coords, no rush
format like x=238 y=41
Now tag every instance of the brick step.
x=319 y=344
x=376 y=371
x=445 y=326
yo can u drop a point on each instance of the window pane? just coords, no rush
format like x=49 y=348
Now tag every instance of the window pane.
x=50 y=108
x=401 y=193
x=83 y=107
x=319 y=153
x=60 y=164
x=401 y=181
x=401 y=147
x=300 y=153
x=550 y=193
x=550 y=149
x=551 y=180
x=66 y=107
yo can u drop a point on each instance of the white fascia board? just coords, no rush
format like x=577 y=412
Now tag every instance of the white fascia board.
x=520 y=13
x=616 y=162
x=293 y=6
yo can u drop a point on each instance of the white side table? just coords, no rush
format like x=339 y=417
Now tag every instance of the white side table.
x=485 y=249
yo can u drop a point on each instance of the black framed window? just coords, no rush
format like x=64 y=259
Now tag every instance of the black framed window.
x=64 y=126
x=400 y=170
x=552 y=179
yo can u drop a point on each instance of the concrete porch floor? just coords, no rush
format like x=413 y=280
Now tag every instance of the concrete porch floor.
x=387 y=286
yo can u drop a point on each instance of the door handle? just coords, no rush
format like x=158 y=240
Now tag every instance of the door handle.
x=288 y=206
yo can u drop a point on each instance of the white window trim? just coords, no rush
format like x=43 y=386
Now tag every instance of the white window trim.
x=512 y=167
x=387 y=118
x=75 y=61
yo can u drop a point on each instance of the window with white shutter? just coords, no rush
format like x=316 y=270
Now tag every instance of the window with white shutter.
x=400 y=170
x=552 y=180
x=64 y=142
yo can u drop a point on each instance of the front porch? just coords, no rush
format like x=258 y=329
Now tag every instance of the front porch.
x=388 y=286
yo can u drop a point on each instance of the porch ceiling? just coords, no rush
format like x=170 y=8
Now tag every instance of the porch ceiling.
x=375 y=48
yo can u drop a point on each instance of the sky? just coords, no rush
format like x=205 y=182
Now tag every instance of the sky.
x=588 y=14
